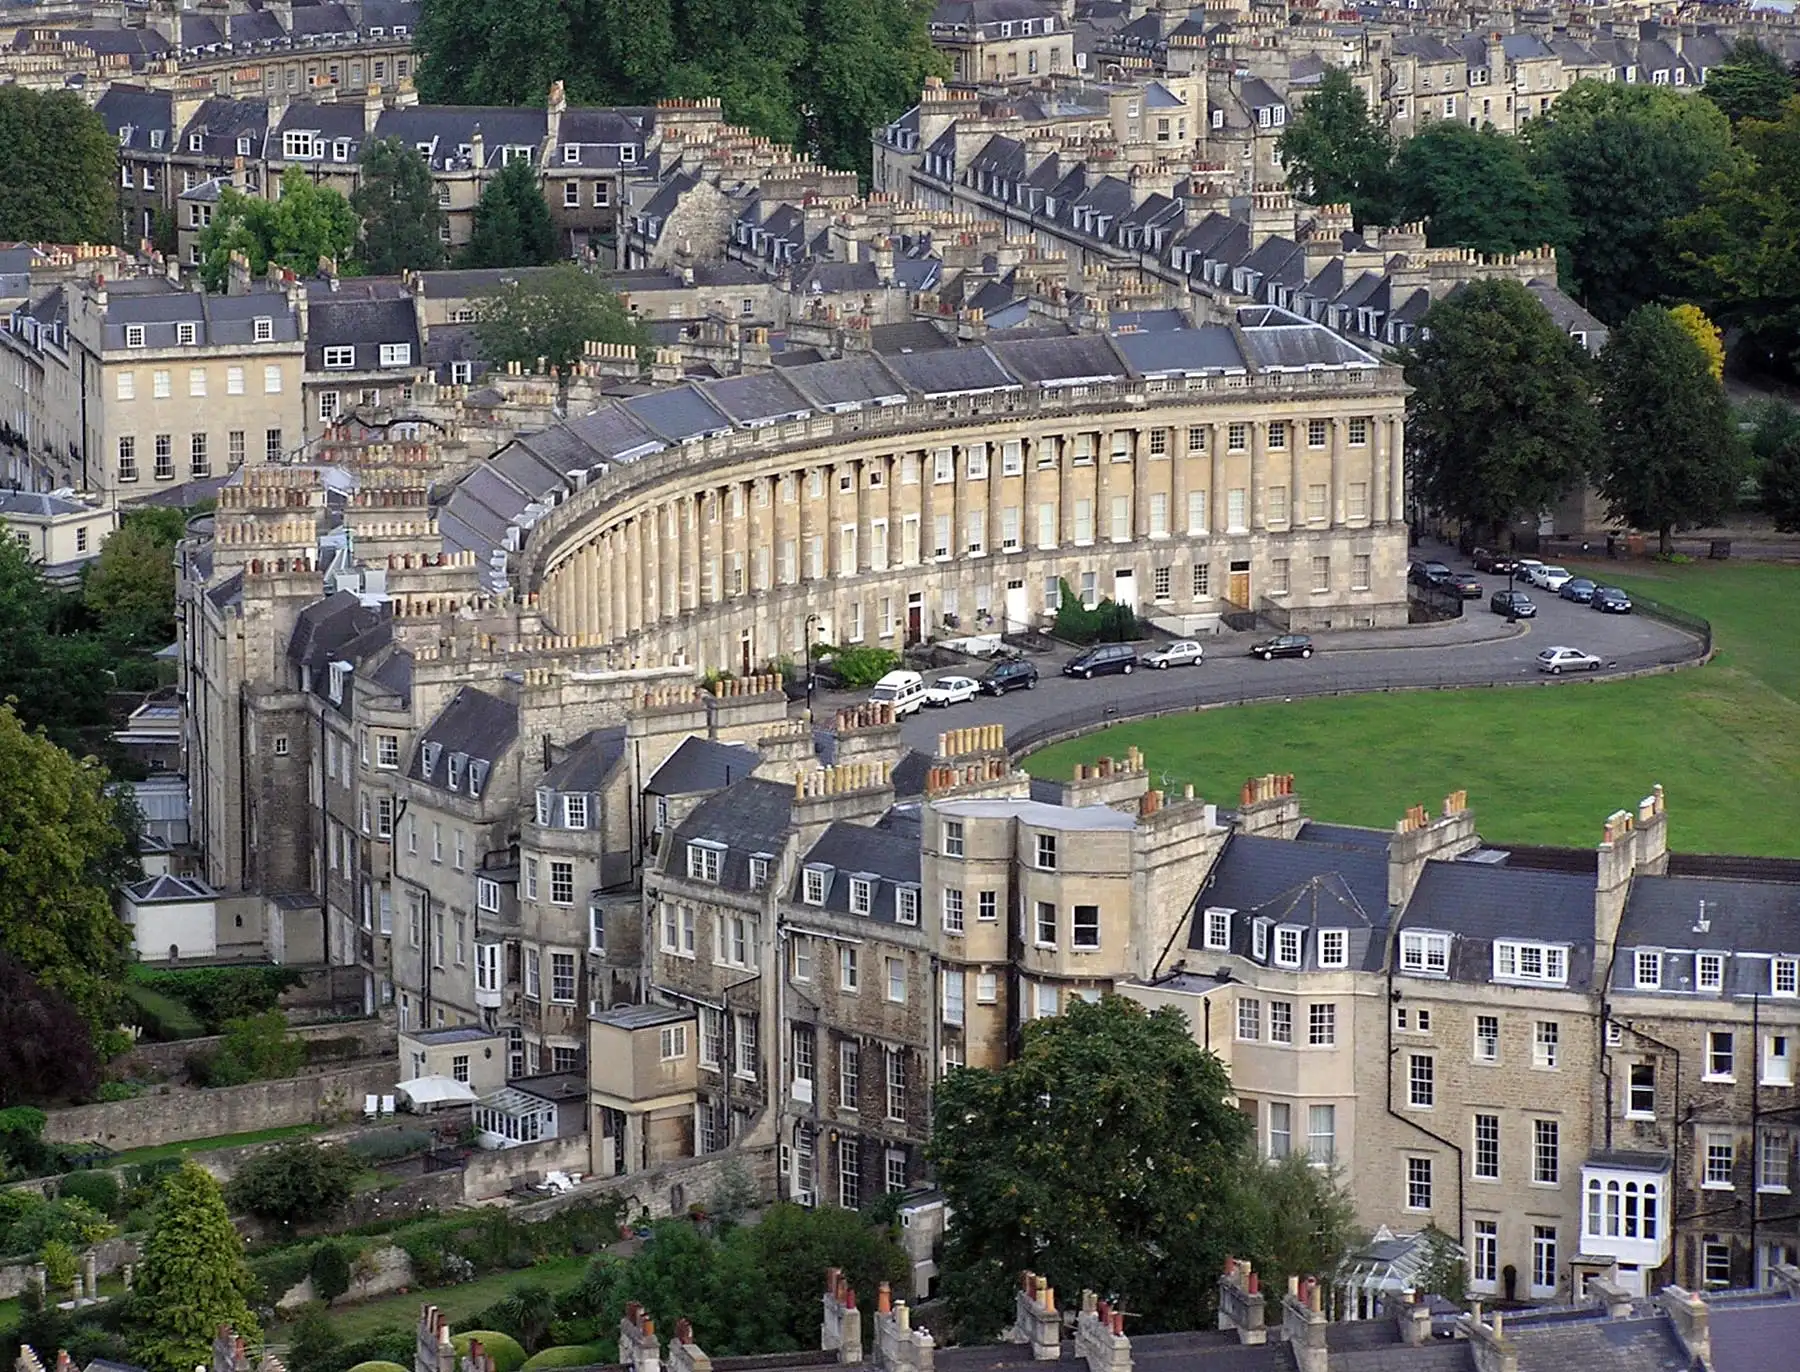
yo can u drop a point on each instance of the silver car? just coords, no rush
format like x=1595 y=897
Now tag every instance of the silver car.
x=1556 y=661
x=1183 y=652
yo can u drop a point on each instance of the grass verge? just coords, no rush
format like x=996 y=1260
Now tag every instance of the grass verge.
x=458 y=1302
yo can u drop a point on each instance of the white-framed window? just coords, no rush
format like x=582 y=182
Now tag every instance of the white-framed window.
x=812 y=885
x=703 y=861
x=745 y=1046
x=1721 y=1158
x=1709 y=971
x=673 y=1042
x=862 y=895
x=340 y=357
x=1774 y=1160
x=1425 y=952
x=1321 y=1133
x=850 y=1173
x=896 y=980
x=1334 y=948
x=800 y=957
x=906 y=905
x=678 y=930
x=596 y=929
x=1721 y=1055
x=953 y=997
x=533 y=989
x=1249 y=1018
x=562 y=978
x=1217 y=936
x=1546 y=1044
x=1648 y=966
x=953 y=838
x=1778 y=1060
x=1046 y=852
x=396 y=354
x=562 y=882
x=1084 y=926
x=1715 y=1258
x=134 y=335
x=1640 y=1091
x=1784 y=977
x=1288 y=944
x=1044 y=925
x=1541 y=963
x=1281 y=1021
x=987 y=987
x=1484 y=1158
x=1259 y=939
x=272 y=381
x=1421 y=1081
x=1281 y=1129
x=1543 y=1260
x=1484 y=1254
x=263 y=329
x=849 y=974
x=1546 y=1152
x=1418 y=1183
x=953 y=910
x=849 y=1074
x=1321 y=1025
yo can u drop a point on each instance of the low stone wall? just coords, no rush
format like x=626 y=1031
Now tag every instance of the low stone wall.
x=368 y=1038
x=378 y=1272
x=109 y=1256
x=667 y=1189
x=178 y=1114
x=494 y=1173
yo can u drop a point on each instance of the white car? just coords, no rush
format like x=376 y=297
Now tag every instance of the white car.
x=952 y=690
x=1181 y=653
x=1556 y=661
x=1551 y=579
x=1525 y=569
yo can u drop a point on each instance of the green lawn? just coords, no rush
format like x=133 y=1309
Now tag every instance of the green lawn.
x=458 y=1302
x=176 y=1150
x=1540 y=766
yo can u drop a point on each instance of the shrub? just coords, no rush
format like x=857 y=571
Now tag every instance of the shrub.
x=257 y=1048
x=567 y=1355
x=62 y=1264
x=295 y=1181
x=859 y=667
x=118 y=1090
x=98 y=1190
x=378 y=1365
x=504 y=1349
x=1107 y=622
x=392 y=1344
x=162 y=1018
x=314 y=1345
x=330 y=1271
x=217 y=995
x=391 y=1146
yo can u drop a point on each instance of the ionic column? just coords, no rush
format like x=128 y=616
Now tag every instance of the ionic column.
x=1397 y=469
x=1217 y=514
x=1297 y=512
x=996 y=490
x=1340 y=511
x=1103 y=488
x=1378 y=473
x=617 y=576
x=1178 y=486
x=1257 y=516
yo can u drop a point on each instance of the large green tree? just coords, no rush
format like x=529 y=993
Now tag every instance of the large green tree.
x=1501 y=421
x=512 y=223
x=1628 y=159
x=398 y=205
x=1752 y=83
x=1300 y=1218
x=1104 y=1156
x=551 y=314
x=815 y=73
x=1474 y=188
x=297 y=1181
x=131 y=587
x=60 y=182
x=1336 y=150
x=1740 y=250
x=65 y=844
x=307 y=223
x=192 y=1278
x=1672 y=456
x=55 y=678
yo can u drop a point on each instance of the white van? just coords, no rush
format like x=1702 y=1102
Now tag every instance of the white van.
x=905 y=691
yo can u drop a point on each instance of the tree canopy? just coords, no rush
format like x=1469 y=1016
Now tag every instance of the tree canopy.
x=131 y=587
x=818 y=74
x=512 y=223
x=1501 y=421
x=46 y=1048
x=1671 y=456
x=62 y=169
x=56 y=679
x=1104 y=1156
x=551 y=314
x=65 y=843
x=1476 y=189
x=1336 y=149
x=398 y=205
x=307 y=223
x=1752 y=83
x=1705 y=333
x=297 y=1181
x=1627 y=159
x=192 y=1277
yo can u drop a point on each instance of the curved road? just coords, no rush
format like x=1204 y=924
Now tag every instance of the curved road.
x=1479 y=650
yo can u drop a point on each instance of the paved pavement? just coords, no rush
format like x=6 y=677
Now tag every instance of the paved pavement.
x=1480 y=649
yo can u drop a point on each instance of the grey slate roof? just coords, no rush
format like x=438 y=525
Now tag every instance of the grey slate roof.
x=1741 y=917
x=886 y=858
x=1291 y=881
x=590 y=760
x=750 y=816
x=218 y=319
x=701 y=764
x=363 y=324
x=475 y=728
x=1480 y=902
x=1181 y=352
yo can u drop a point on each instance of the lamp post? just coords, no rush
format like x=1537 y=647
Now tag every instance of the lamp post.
x=807 y=629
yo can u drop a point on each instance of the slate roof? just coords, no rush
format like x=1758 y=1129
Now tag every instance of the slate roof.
x=889 y=859
x=34 y=504
x=326 y=627
x=701 y=764
x=1324 y=886
x=590 y=762
x=363 y=324
x=218 y=319
x=476 y=729
x=750 y=816
x=1478 y=903
x=169 y=888
x=1741 y=917
x=124 y=106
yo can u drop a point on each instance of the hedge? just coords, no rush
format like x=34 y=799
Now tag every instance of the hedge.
x=504 y=1349
x=163 y=1018
x=216 y=995
x=567 y=1355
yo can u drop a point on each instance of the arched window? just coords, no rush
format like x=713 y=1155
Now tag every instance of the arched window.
x=1593 y=1206
x=1612 y=1209
x=1650 y=1210
x=1631 y=1209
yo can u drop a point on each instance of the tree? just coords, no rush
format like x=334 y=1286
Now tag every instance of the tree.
x=1671 y=453
x=193 y=1277
x=512 y=222
x=46 y=1048
x=1475 y=189
x=1751 y=83
x=398 y=205
x=296 y=1181
x=314 y=1344
x=1501 y=419
x=56 y=681
x=1706 y=334
x=1300 y=1219
x=1336 y=150
x=65 y=844
x=1628 y=159
x=1781 y=486
x=551 y=314
x=1739 y=250
x=1101 y=1157
x=62 y=169
x=307 y=223
x=131 y=588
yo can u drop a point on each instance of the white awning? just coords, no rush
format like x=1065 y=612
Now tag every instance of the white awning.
x=436 y=1091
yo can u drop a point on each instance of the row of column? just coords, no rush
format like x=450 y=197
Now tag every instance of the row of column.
x=655 y=565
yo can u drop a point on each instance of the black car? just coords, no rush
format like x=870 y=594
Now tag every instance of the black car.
x=1610 y=600
x=1428 y=574
x=1283 y=645
x=1515 y=604
x=1009 y=676
x=1487 y=560
x=1578 y=589
x=1465 y=584
x=1101 y=659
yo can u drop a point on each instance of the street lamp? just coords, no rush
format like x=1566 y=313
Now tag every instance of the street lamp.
x=807 y=629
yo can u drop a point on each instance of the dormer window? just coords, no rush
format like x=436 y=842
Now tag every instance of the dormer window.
x=456 y=770
x=428 y=759
x=187 y=334
x=1425 y=953
x=340 y=673
x=759 y=872
x=703 y=861
x=1784 y=977
x=340 y=150
x=571 y=154
x=1216 y=935
x=1288 y=942
x=906 y=905
x=156 y=138
x=1709 y=971
x=478 y=770
x=396 y=354
x=263 y=328
x=813 y=885
x=1334 y=948
x=487 y=895
x=575 y=812
x=1259 y=939
x=543 y=809
x=243 y=147
x=862 y=895
x=1648 y=966
x=134 y=335
x=1540 y=963
x=195 y=142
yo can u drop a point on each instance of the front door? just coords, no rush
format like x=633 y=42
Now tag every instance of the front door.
x=915 y=617
x=744 y=654
x=1018 y=608
x=1238 y=591
x=1125 y=588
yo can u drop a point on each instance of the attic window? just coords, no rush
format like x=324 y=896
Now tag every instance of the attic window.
x=814 y=885
x=627 y=154
x=759 y=872
x=195 y=142
x=428 y=758
x=1288 y=942
x=264 y=328
x=340 y=150
x=1333 y=948
x=906 y=905
x=703 y=861
x=1217 y=933
x=543 y=809
x=454 y=777
x=571 y=153
x=575 y=812
x=1425 y=952
x=243 y=147
x=156 y=138
x=478 y=771
x=340 y=672
x=134 y=335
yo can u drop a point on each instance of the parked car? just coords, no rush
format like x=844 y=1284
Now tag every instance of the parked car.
x=1427 y=573
x=1283 y=645
x=1102 y=659
x=1556 y=661
x=1523 y=568
x=905 y=691
x=1183 y=652
x=1610 y=600
x=1514 y=603
x=1487 y=560
x=1578 y=589
x=952 y=690
x=1466 y=585
x=1002 y=677
x=1551 y=578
